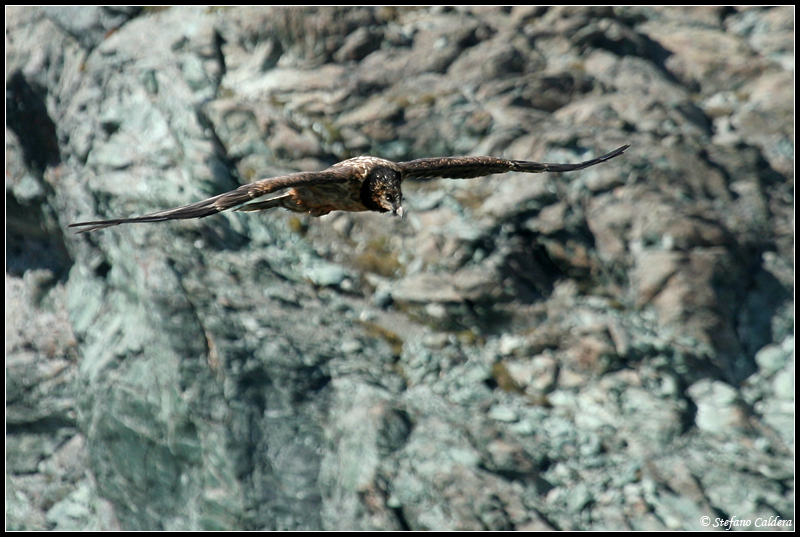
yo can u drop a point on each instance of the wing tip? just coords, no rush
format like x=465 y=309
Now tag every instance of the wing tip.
x=618 y=151
x=90 y=226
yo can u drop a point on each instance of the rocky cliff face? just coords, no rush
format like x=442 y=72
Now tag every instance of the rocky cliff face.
x=608 y=349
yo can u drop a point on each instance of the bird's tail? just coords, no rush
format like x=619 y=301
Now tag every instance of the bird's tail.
x=267 y=204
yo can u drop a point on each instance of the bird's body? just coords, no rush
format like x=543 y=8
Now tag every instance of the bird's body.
x=317 y=199
x=356 y=184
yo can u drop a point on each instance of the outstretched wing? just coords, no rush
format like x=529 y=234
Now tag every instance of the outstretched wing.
x=469 y=167
x=227 y=200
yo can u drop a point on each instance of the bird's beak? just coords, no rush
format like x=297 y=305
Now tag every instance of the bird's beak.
x=399 y=212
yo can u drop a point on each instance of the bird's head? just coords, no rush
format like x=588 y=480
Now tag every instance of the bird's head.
x=381 y=192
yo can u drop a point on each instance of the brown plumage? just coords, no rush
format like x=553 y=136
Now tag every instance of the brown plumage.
x=356 y=184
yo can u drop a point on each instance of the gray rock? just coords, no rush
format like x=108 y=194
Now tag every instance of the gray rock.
x=603 y=350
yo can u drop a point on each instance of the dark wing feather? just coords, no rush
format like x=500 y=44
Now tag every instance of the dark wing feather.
x=454 y=167
x=469 y=167
x=227 y=200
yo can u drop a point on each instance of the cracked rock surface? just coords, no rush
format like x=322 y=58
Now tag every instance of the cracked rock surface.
x=602 y=350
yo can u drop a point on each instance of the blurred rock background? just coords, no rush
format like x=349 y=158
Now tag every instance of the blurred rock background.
x=607 y=349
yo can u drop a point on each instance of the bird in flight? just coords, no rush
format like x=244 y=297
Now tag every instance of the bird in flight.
x=356 y=184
